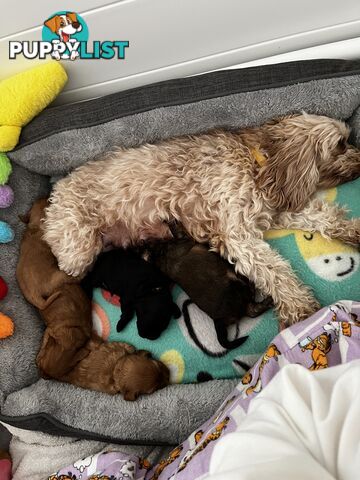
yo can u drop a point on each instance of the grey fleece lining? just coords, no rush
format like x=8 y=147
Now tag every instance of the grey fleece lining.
x=62 y=152
x=181 y=91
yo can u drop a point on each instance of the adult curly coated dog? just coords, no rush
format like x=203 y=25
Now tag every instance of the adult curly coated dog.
x=225 y=187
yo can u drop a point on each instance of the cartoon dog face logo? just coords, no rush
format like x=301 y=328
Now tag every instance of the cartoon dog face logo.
x=64 y=26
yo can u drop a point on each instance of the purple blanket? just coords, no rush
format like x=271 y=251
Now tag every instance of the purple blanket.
x=328 y=338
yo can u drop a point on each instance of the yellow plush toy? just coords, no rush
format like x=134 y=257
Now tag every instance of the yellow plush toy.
x=22 y=97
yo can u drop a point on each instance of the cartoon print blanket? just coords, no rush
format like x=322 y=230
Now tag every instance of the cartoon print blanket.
x=295 y=413
x=189 y=346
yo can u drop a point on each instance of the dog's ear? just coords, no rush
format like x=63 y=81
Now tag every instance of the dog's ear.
x=52 y=23
x=290 y=176
x=24 y=218
x=72 y=16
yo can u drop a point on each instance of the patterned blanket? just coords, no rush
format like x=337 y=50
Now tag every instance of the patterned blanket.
x=189 y=346
x=328 y=338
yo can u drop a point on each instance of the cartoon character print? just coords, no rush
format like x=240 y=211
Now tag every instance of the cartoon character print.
x=271 y=352
x=87 y=462
x=173 y=455
x=344 y=307
x=246 y=379
x=346 y=329
x=320 y=346
x=68 y=476
x=199 y=447
x=71 y=476
x=223 y=408
x=337 y=324
x=144 y=464
x=128 y=471
x=64 y=26
x=102 y=477
x=193 y=441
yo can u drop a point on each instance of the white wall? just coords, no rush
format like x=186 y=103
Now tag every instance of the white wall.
x=173 y=38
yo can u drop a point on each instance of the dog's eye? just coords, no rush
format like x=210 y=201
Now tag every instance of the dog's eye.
x=308 y=236
x=341 y=146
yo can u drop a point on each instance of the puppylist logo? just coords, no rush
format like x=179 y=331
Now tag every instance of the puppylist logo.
x=65 y=37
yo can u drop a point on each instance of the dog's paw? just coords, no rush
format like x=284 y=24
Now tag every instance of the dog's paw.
x=351 y=232
x=296 y=311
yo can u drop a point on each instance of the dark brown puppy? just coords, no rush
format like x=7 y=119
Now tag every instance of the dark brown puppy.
x=118 y=368
x=37 y=271
x=210 y=282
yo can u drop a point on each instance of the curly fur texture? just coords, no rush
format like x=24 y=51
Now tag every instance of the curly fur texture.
x=213 y=185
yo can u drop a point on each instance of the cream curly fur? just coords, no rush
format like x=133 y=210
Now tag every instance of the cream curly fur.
x=214 y=186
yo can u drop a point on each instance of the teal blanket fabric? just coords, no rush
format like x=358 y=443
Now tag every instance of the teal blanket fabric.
x=331 y=268
x=190 y=348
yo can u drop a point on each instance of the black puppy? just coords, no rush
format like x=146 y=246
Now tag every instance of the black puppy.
x=210 y=281
x=142 y=289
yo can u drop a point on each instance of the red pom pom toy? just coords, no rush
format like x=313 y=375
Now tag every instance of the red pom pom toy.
x=3 y=288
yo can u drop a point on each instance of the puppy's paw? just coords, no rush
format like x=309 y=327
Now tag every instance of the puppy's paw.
x=130 y=395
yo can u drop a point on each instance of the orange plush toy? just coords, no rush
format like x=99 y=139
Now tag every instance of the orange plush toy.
x=6 y=324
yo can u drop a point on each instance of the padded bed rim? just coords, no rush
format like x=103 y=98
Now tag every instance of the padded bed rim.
x=179 y=92
x=45 y=423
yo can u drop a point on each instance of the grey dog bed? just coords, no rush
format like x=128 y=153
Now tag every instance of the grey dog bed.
x=65 y=137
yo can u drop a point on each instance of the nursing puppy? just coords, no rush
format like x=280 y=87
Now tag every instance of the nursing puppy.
x=226 y=188
x=68 y=328
x=210 y=282
x=37 y=271
x=71 y=353
x=142 y=288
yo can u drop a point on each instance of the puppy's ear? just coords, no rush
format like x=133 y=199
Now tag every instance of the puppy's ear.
x=231 y=274
x=144 y=353
x=290 y=176
x=52 y=23
x=25 y=218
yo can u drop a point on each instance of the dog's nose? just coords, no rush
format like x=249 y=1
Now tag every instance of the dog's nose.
x=76 y=24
